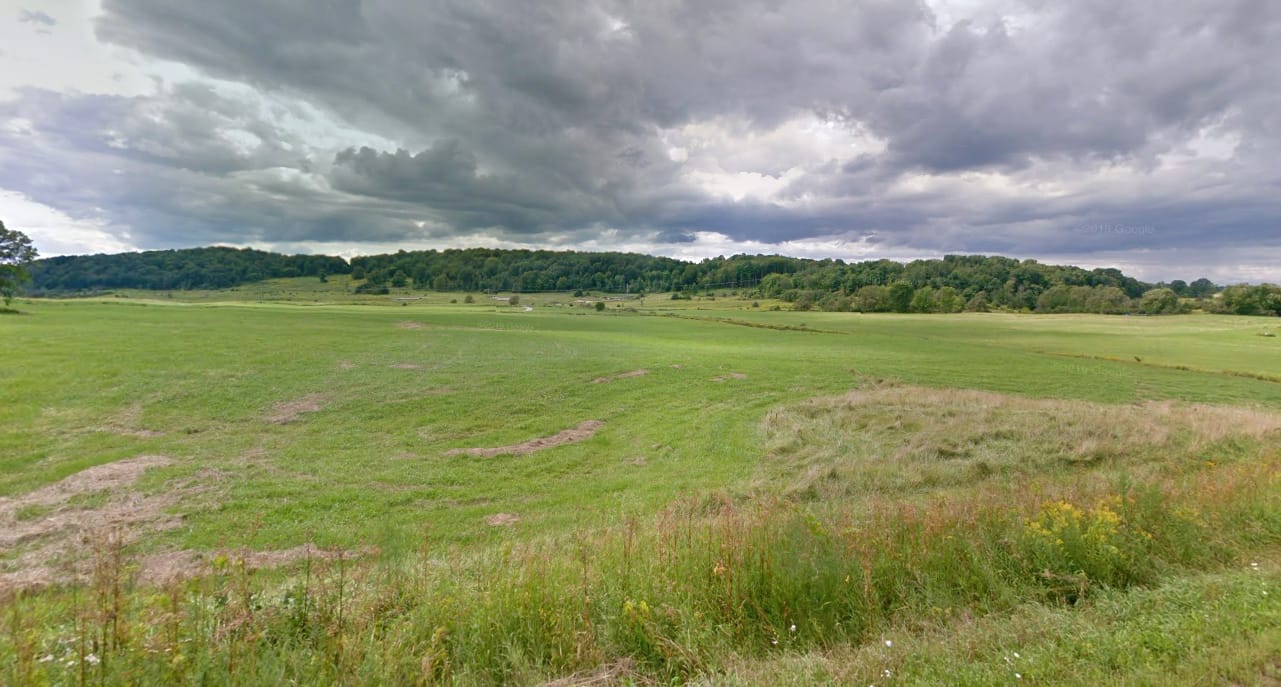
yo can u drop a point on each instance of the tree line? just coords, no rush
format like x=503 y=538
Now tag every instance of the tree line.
x=167 y=270
x=952 y=284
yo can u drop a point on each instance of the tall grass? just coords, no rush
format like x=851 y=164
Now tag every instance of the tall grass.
x=708 y=579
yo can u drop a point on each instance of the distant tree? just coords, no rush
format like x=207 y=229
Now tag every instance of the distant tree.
x=949 y=300
x=871 y=298
x=16 y=254
x=804 y=302
x=977 y=303
x=1159 y=302
x=775 y=284
x=836 y=301
x=1107 y=300
x=899 y=296
x=600 y=305
x=1245 y=299
x=1202 y=288
x=1060 y=298
x=469 y=299
x=923 y=300
x=514 y=300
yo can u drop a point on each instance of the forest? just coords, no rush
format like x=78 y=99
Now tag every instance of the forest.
x=168 y=270
x=954 y=283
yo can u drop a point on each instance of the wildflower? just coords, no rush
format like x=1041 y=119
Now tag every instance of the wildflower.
x=888 y=643
x=886 y=673
x=46 y=658
x=1016 y=655
x=1018 y=676
x=792 y=628
x=92 y=659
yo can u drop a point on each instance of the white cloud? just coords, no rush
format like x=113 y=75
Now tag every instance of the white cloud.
x=54 y=233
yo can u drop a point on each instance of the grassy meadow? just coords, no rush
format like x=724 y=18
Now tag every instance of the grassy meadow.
x=270 y=484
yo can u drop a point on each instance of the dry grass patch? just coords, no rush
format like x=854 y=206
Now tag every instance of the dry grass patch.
x=128 y=422
x=75 y=517
x=502 y=519
x=732 y=375
x=287 y=411
x=173 y=566
x=620 y=672
x=584 y=431
x=891 y=439
x=624 y=375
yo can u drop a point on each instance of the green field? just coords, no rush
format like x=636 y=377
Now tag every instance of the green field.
x=882 y=477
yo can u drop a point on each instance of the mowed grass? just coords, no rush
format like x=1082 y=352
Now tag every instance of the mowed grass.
x=331 y=424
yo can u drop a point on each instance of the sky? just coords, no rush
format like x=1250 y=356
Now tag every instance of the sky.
x=1126 y=133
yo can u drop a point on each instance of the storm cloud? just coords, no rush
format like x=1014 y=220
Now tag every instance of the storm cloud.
x=1096 y=132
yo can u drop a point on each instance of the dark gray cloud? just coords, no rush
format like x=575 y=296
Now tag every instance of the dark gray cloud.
x=1075 y=129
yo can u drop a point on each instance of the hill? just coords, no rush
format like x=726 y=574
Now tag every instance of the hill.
x=188 y=268
x=950 y=284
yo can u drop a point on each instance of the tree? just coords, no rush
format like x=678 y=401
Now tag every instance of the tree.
x=1159 y=302
x=978 y=303
x=1259 y=299
x=871 y=298
x=1202 y=288
x=949 y=300
x=1107 y=300
x=16 y=254
x=899 y=296
x=923 y=300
